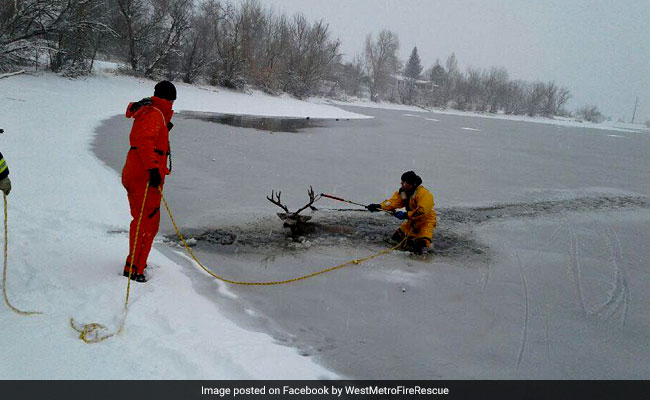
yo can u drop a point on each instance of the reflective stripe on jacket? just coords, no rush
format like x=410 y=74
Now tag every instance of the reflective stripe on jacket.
x=4 y=169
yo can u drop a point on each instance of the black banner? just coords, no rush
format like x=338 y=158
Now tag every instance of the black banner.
x=158 y=390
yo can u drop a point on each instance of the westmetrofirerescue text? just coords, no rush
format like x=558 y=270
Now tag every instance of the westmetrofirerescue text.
x=323 y=390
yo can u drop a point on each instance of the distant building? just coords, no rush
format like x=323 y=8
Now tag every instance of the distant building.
x=401 y=80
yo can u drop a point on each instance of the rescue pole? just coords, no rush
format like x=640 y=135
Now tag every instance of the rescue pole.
x=343 y=200
x=347 y=201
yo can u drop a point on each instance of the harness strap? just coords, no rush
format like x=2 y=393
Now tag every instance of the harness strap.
x=159 y=152
x=168 y=143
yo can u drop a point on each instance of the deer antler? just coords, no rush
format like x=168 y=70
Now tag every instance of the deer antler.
x=312 y=199
x=276 y=200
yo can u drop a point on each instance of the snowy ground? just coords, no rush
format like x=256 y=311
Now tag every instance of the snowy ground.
x=561 y=293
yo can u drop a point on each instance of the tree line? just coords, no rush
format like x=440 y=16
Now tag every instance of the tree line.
x=222 y=43
x=379 y=72
x=244 y=44
x=483 y=90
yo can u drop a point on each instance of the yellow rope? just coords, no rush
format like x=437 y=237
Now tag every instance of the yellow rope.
x=356 y=262
x=4 y=273
x=89 y=333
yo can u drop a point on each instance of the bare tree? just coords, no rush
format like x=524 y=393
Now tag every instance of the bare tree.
x=493 y=89
x=228 y=68
x=74 y=46
x=381 y=61
x=198 y=46
x=272 y=47
x=473 y=89
x=514 y=97
x=152 y=30
x=299 y=28
x=275 y=60
x=62 y=27
x=563 y=97
x=134 y=27
x=534 y=97
x=174 y=17
x=23 y=27
x=311 y=56
x=549 y=101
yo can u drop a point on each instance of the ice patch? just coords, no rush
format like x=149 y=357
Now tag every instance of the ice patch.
x=222 y=288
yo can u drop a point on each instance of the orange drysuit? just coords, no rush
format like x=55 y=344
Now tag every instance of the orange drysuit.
x=149 y=139
x=421 y=216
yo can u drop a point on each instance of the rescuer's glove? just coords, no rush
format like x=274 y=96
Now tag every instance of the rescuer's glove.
x=401 y=215
x=5 y=186
x=373 y=207
x=154 y=177
x=169 y=126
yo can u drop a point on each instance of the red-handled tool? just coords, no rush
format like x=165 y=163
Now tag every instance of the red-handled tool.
x=346 y=201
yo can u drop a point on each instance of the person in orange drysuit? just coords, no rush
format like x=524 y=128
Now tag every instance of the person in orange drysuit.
x=146 y=161
x=419 y=215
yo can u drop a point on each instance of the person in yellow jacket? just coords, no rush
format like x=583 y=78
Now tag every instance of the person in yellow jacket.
x=420 y=218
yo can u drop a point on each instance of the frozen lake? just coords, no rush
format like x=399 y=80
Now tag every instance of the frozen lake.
x=540 y=268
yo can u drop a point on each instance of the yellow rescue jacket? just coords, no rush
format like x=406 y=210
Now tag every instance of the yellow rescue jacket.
x=421 y=216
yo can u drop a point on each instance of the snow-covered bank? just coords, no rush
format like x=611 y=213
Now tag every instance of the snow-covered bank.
x=224 y=101
x=561 y=121
x=65 y=262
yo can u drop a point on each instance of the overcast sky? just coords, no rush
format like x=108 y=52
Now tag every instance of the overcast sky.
x=599 y=49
